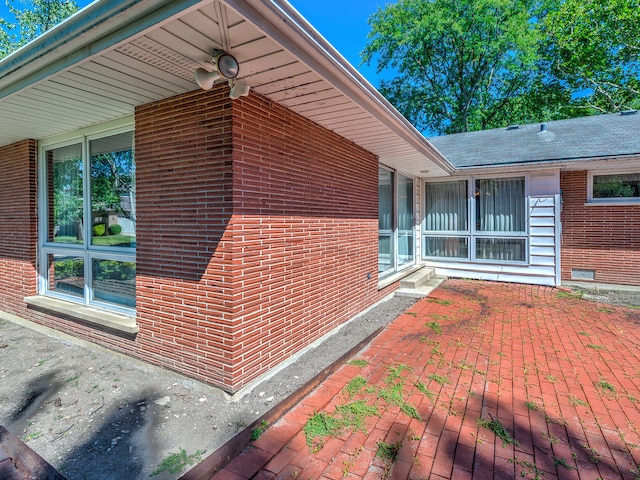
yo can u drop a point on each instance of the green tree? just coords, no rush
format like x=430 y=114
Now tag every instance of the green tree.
x=459 y=63
x=474 y=64
x=35 y=18
x=594 y=46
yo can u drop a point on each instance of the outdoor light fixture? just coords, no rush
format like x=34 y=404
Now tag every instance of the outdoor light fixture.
x=225 y=66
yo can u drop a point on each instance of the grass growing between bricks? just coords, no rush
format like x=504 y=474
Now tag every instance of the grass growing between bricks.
x=352 y=416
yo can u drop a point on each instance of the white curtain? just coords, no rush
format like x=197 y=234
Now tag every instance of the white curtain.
x=446 y=206
x=500 y=205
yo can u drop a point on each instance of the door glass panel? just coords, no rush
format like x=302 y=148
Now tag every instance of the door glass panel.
x=385 y=221
x=405 y=221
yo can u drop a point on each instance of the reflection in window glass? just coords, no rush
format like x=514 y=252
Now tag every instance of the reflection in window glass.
x=114 y=282
x=500 y=205
x=66 y=275
x=511 y=249
x=625 y=185
x=405 y=220
x=446 y=206
x=113 y=206
x=385 y=220
x=64 y=194
x=449 y=247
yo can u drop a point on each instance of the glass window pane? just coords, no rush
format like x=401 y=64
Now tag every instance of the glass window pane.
x=406 y=231
x=616 y=186
x=114 y=282
x=66 y=275
x=512 y=249
x=449 y=247
x=446 y=206
x=64 y=194
x=385 y=220
x=113 y=205
x=500 y=205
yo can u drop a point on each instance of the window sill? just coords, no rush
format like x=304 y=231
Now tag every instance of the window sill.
x=110 y=320
x=612 y=203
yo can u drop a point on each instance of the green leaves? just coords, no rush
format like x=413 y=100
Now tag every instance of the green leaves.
x=33 y=20
x=476 y=64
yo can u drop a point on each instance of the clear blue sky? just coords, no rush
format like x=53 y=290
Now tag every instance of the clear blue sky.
x=342 y=22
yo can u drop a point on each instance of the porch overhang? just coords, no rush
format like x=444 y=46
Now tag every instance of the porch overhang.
x=115 y=55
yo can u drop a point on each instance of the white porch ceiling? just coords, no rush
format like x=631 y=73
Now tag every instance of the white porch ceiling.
x=141 y=51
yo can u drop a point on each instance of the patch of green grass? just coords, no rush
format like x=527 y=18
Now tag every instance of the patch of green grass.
x=423 y=388
x=562 y=462
x=586 y=334
x=320 y=424
x=435 y=326
x=439 y=379
x=176 y=462
x=411 y=314
x=358 y=363
x=257 y=432
x=551 y=438
x=605 y=310
x=350 y=416
x=496 y=427
x=392 y=394
x=95 y=387
x=40 y=363
x=596 y=347
x=73 y=381
x=410 y=411
x=563 y=294
x=439 y=301
x=388 y=451
x=551 y=378
x=354 y=386
x=605 y=386
x=532 y=405
x=31 y=436
x=573 y=401
x=592 y=453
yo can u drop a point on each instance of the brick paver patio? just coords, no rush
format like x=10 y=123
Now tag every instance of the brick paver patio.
x=557 y=376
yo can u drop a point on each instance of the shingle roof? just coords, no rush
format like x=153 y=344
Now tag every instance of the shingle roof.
x=563 y=140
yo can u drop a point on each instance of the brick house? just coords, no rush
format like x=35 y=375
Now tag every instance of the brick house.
x=220 y=232
x=580 y=181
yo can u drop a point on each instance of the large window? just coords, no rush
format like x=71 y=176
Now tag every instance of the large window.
x=90 y=223
x=496 y=204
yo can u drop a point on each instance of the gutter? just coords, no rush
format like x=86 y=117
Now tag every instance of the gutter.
x=286 y=26
x=568 y=163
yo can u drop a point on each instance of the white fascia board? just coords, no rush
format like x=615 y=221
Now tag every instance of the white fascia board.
x=101 y=25
x=280 y=21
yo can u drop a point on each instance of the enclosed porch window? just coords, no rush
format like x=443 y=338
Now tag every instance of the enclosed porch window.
x=498 y=208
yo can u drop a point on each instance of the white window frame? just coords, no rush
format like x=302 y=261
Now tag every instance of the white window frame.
x=609 y=201
x=87 y=252
x=472 y=233
x=394 y=226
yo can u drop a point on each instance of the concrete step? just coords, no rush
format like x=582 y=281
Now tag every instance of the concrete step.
x=417 y=279
x=421 y=286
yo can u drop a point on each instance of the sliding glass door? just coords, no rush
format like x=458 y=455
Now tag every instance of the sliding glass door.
x=396 y=220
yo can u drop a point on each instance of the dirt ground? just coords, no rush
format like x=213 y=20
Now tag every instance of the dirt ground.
x=96 y=416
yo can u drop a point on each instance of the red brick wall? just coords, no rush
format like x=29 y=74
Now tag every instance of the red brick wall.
x=256 y=235
x=18 y=225
x=305 y=231
x=603 y=238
